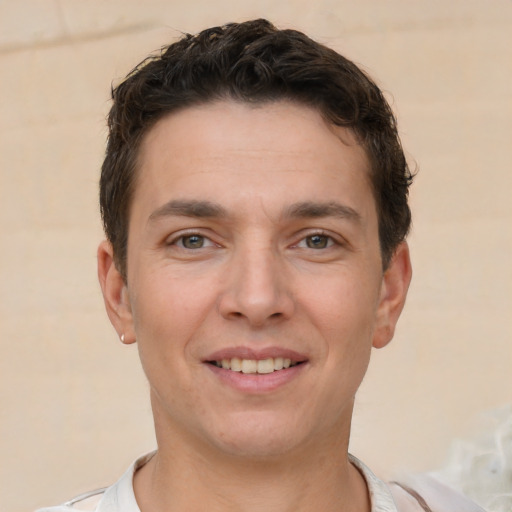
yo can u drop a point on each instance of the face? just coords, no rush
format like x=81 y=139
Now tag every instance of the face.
x=255 y=288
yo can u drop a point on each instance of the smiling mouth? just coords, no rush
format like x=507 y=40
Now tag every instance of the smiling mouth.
x=260 y=366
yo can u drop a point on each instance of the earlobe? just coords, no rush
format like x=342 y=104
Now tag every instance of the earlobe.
x=395 y=284
x=115 y=293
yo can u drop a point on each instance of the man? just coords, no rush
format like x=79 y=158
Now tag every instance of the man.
x=254 y=198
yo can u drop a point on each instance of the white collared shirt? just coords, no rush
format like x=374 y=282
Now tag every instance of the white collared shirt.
x=120 y=497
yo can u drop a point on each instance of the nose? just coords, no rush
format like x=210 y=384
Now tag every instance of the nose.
x=257 y=288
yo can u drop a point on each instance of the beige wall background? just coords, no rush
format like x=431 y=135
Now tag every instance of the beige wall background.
x=73 y=402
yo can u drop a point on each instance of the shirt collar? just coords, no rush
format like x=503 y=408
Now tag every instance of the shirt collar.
x=121 y=497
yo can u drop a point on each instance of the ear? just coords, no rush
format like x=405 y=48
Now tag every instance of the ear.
x=395 y=284
x=115 y=294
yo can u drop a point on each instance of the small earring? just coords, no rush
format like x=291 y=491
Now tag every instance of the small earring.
x=122 y=338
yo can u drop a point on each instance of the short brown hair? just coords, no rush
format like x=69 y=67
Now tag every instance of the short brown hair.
x=252 y=62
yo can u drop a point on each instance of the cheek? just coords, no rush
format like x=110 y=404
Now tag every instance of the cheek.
x=167 y=305
x=344 y=306
x=169 y=313
x=345 y=315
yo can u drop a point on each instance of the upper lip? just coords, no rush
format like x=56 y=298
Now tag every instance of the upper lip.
x=256 y=354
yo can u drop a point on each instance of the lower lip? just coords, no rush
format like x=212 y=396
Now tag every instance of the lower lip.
x=257 y=382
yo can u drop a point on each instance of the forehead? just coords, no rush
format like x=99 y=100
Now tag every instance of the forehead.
x=249 y=123
x=259 y=150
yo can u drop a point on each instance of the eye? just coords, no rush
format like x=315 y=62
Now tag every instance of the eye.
x=317 y=241
x=193 y=241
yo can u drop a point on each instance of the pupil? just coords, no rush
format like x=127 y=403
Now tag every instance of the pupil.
x=193 y=241
x=317 y=242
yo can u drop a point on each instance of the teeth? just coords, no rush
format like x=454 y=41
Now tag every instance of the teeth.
x=261 y=366
x=236 y=364
x=266 y=366
x=249 y=366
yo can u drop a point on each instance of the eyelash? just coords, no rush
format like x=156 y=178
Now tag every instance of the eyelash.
x=302 y=243
x=178 y=240
x=330 y=240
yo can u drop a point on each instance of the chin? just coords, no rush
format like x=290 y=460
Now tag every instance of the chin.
x=256 y=437
x=257 y=448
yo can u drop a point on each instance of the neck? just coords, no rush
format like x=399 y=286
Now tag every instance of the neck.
x=185 y=476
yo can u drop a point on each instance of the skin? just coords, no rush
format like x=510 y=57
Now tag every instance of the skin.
x=253 y=229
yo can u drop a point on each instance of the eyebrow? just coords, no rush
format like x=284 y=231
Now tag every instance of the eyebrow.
x=311 y=209
x=188 y=208
x=208 y=209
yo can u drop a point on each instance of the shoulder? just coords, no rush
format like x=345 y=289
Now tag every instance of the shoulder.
x=116 y=498
x=87 y=502
x=413 y=493
x=422 y=493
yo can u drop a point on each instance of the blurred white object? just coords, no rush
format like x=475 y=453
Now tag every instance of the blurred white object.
x=482 y=468
x=423 y=493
